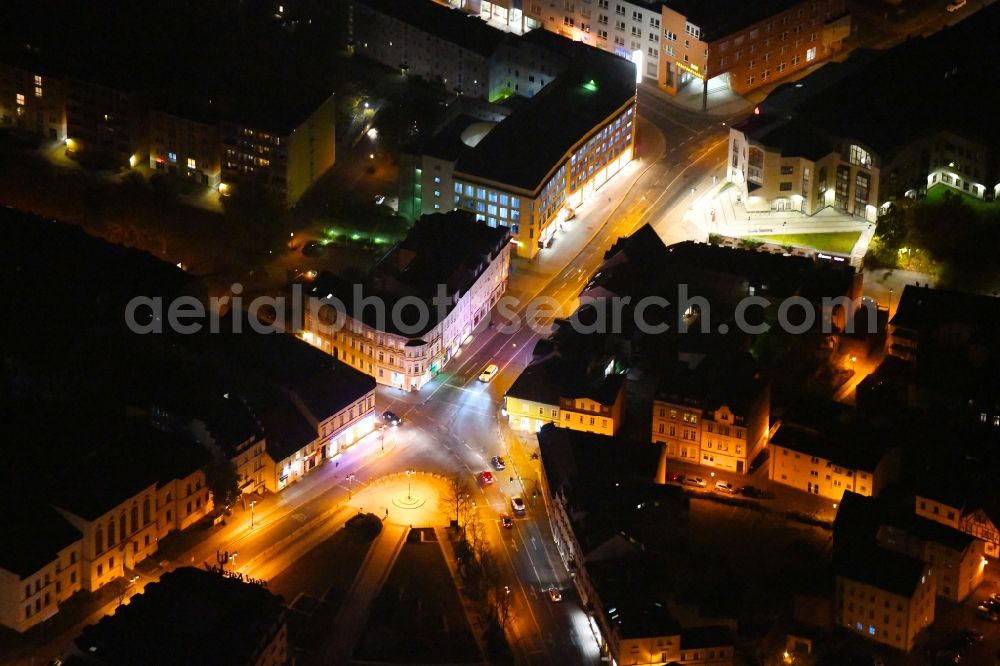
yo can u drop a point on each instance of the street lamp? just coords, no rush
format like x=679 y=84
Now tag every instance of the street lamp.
x=889 y=309
x=409 y=473
x=350 y=483
x=233 y=558
x=252 y=502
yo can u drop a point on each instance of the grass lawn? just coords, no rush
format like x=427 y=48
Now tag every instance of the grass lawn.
x=935 y=195
x=839 y=241
x=418 y=617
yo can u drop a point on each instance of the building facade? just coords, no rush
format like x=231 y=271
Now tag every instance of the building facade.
x=825 y=473
x=598 y=410
x=891 y=608
x=187 y=147
x=704 y=428
x=285 y=157
x=105 y=122
x=676 y=44
x=468 y=261
x=32 y=101
x=971 y=519
x=778 y=169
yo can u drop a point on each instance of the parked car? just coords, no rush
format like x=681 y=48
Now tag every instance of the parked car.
x=506 y=520
x=674 y=477
x=488 y=374
x=498 y=463
x=486 y=478
x=725 y=487
x=391 y=418
x=955 y=5
x=555 y=595
x=752 y=491
x=517 y=504
x=695 y=481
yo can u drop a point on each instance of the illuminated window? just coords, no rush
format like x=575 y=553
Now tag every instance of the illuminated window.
x=38 y=91
x=860 y=156
x=20 y=99
x=172 y=157
x=191 y=163
x=811 y=54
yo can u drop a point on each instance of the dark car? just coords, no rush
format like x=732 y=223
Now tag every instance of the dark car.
x=391 y=418
x=752 y=491
x=498 y=463
x=674 y=477
x=506 y=520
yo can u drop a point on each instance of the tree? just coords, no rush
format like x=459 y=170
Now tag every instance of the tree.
x=223 y=482
x=458 y=498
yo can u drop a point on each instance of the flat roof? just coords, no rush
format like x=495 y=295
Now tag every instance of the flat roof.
x=189 y=616
x=718 y=18
x=524 y=147
x=733 y=379
x=454 y=25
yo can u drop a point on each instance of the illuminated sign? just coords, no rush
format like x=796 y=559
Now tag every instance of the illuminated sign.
x=691 y=69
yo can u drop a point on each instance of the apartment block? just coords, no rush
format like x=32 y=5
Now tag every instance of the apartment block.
x=832 y=455
x=560 y=391
x=33 y=98
x=679 y=43
x=447 y=255
x=714 y=414
x=884 y=596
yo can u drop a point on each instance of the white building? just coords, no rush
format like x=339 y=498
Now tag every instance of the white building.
x=446 y=254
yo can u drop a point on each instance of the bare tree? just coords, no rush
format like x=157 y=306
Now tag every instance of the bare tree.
x=458 y=498
x=475 y=533
x=501 y=605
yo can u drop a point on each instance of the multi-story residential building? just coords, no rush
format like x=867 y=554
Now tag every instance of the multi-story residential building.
x=884 y=596
x=283 y=144
x=980 y=519
x=191 y=610
x=676 y=42
x=714 y=414
x=534 y=166
x=833 y=456
x=453 y=268
x=781 y=164
x=315 y=422
x=423 y=38
x=42 y=570
x=105 y=122
x=817 y=144
x=186 y=146
x=32 y=98
x=957 y=558
x=559 y=391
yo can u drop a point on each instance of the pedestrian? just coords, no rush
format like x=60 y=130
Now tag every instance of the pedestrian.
x=387 y=512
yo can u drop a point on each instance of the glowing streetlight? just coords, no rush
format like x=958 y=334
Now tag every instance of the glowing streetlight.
x=350 y=486
x=409 y=473
x=373 y=134
x=252 y=502
x=233 y=558
x=371 y=156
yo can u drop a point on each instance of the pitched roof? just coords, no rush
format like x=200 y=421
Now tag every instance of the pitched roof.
x=41 y=533
x=882 y=568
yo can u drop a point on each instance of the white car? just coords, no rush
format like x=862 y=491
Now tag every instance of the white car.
x=488 y=374
x=555 y=595
x=725 y=487
x=695 y=481
x=955 y=5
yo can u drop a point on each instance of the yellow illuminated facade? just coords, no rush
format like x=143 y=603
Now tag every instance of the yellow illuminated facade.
x=575 y=413
x=883 y=616
x=817 y=475
x=976 y=522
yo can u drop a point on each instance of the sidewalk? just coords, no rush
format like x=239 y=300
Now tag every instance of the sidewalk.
x=476 y=622
x=350 y=621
